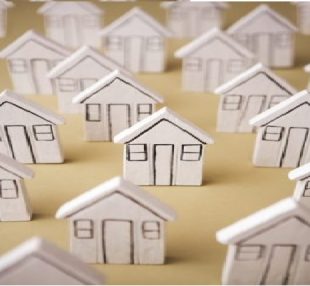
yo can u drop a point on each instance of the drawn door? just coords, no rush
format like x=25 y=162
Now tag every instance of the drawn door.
x=72 y=33
x=163 y=164
x=263 y=48
x=214 y=74
x=42 y=83
x=255 y=105
x=134 y=54
x=295 y=147
x=279 y=265
x=118 y=241
x=118 y=118
x=20 y=144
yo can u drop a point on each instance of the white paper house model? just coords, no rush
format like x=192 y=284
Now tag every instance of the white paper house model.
x=28 y=131
x=113 y=104
x=212 y=59
x=72 y=23
x=29 y=58
x=268 y=34
x=163 y=149
x=137 y=42
x=283 y=136
x=14 y=202
x=188 y=19
x=247 y=95
x=303 y=17
x=4 y=6
x=39 y=262
x=77 y=72
x=117 y=223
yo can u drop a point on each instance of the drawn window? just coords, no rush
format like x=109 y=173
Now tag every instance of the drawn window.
x=232 y=102
x=273 y=133
x=242 y=38
x=193 y=64
x=93 y=112
x=68 y=84
x=84 y=228
x=283 y=40
x=235 y=66
x=136 y=152
x=90 y=21
x=307 y=254
x=307 y=189
x=276 y=99
x=252 y=252
x=43 y=132
x=144 y=110
x=114 y=43
x=209 y=13
x=191 y=152
x=18 y=66
x=54 y=21
x=8 y=189
x=151 y=230
x=154 y=43
x=176 y=14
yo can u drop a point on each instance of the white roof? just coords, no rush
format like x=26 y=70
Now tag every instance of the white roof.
x=259 y=221
x=281 y=108
x=38 y=110
x=122 y=186
x=6 y=4
x=164 y=113
x=307 y=68
x=48 y=7
x=106 y=81
x=52 y=255
x=136 y=12
x=74 y=59
x=252 y=72
x=261 y=9
x=31 y=35
x=300 y=173
x=187 y=3
x=205 y=38
x=14 y=167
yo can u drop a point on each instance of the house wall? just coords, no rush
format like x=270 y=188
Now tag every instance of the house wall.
x=117 y=207
x=303 y=19
x=302 y=192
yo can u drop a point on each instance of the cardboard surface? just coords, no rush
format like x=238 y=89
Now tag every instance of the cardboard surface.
x=232 y=188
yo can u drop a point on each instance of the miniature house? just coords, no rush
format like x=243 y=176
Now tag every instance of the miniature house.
x=77 y=72
x=137 y=42
x=247 y=95
x=39 y=262
x=283 y=133
x=113 y=104
x=267 y=34
x=307 y=70
x=4 y=6
x=28 y=131
x=14 y=202
x=303 y=17
x=188 y=19
x=117 y=223
x=211 y=60
x=163 y=149
x=30 y=58
x=72 y=23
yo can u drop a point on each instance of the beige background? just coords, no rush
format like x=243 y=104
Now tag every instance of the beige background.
x=232 y=188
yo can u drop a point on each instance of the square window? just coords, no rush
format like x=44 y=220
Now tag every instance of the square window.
x=191 y=152
x=136 y=152
x=114 y=43
x=154 y=43
x=43 y=132
x=151 y=230
x=307 y=189
x=18 y=66
x=144 y=110
x=193 y=64
x=83 y=228
x=54 y=21
x=68 y=84
x=283 y=40
x=242 y=38
x=91 y=22
x=249 y=252
x=276 y=99
x=235 y=66
x=232 y=102
x=93 y=112
x=176 y=14
x=8 y=189
x=273 y=133
x=307 y=254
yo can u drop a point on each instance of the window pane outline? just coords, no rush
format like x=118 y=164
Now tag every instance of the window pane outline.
x=306 y=192
x=89 y=229
x=241 y=250
x=235 y=65
x=149 y=233
x=228 y=104
x=67 y=84
x=154 y=43
x=184 y=152
x=130 y=154
x=18 y=66
x=14 y=189
x=307 y=254
x=90 y=21
x=90 y=115
x=269 y=135
x=275 y=99
x=45 y=134
x=193 y=64
x=141 y=112
x=283 y=40
x=114 y=43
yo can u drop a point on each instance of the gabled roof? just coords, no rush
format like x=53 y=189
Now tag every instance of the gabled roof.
x=283 y=107
x=300 y=173
x=185 y=3
x=6 y=4
x=109 y=79
x=258 y=11
x=52 y=255
x=15 y=168
x=307 y=68
x=76 y=57
x=116 y=185
x=251 y=73
x=23 y=103
x=261 y=220
x=85 y=5
x=164 y=114
x=139 y=13
x=206 y=38
x=32 y=36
